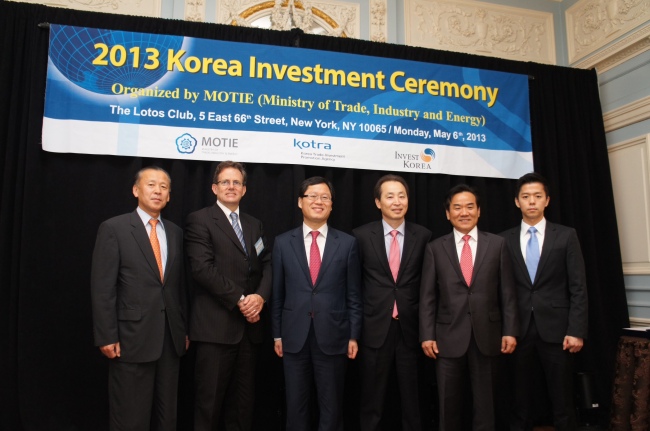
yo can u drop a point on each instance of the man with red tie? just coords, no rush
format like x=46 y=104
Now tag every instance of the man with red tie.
x=315 y=309
x=468 y=310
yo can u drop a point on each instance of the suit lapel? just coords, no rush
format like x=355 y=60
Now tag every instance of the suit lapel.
x=139 y=233
x=224 y=225
x=407 y=249
x=482 y=245
x=549 y=240
x=514 y=242
x=298 y=245
x=379 y=245
x=449 y=245
x=172 y=240
x=331 y=246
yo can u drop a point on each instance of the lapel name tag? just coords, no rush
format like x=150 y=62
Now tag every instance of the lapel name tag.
x=259 y=246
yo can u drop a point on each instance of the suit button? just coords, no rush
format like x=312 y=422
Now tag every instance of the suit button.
x=313 y=293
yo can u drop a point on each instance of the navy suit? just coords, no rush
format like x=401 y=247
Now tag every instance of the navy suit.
x=550 y=307
x=315 y=322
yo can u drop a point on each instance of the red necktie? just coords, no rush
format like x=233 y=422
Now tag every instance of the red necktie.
x=466 y=264
x=314 y=257
x=393 y=263
x=153 y=238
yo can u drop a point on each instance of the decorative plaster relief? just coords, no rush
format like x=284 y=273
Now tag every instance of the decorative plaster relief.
x=619 y=52
x=481 y=28
x=592 y=24
x=150 y=8
x=317 y=17
x=378 y=27
x=195 y=10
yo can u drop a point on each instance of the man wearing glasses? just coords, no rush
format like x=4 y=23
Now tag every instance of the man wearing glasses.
x=316 y=309
x=231 y=267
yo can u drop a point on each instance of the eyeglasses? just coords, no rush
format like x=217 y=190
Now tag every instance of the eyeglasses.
x=227 y=183
x=323 y=198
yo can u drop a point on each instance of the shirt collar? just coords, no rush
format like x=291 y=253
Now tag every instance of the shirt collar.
x=146 y=217
x=541 y=227
x=306 y=230
x=388 y=228
x=227 y=210
x=472 y=233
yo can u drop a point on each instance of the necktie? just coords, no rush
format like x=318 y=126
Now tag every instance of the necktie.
x=532 y=253
x=238 y=232
x=155 y=244
x=393 y=263
x=466 y=264
x=314 y=257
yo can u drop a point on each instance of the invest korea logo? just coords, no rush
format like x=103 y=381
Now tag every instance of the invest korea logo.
x=416 y=161
x=186 y=143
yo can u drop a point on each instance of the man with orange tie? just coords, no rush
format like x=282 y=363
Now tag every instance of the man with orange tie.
x=139 y=308
x=391 y=253
x=315 y=309
x=468 y=310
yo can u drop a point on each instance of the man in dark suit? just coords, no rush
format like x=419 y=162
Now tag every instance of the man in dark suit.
x=231 y=266
x=316 y=308
x=391 y=253
x=468 y=310
x=552 y=296
x=139 y=308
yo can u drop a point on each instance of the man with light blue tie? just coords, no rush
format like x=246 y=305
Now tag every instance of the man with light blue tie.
x=552 y=296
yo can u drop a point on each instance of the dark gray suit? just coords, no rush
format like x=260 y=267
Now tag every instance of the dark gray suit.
x=226 y=343
x=132 y=306
x=550 y=307
x=467 y=322
x=384 y=340
x=315 y=323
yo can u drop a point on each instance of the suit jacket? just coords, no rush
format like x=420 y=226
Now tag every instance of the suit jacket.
x=129 y=301
x=450 y=310
x=558 y=294
x=380 y=291
x=333 y=304
x=223 y=272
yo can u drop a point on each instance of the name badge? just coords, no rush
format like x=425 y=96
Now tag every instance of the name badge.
x=259 y=246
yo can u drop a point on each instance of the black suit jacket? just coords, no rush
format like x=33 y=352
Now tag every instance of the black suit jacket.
x=128 y=297
x=334 y=301
x=223 y=272
x=558 y=294
x=380 y=291
x=450 y=310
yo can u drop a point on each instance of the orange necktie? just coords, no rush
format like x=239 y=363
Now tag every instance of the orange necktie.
x=153 y=237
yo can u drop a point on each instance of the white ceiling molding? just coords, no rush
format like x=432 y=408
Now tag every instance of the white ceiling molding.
x=619 y=52
x=151 y=8
x=593 y=24
x=481 y=28
x=626 y=115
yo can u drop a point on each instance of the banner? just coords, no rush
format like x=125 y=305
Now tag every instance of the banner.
x=162 y=96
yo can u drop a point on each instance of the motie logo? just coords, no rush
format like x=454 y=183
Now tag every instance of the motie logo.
x=186 y=143
x=427 y=155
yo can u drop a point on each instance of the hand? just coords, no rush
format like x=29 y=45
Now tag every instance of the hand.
x=277 y=346
x=253 y=319
x=251 y=306
x=353 y=349
x=430 y=348
x=187 y=342
x=508 y=344
x=572 y=344
x=111 y=350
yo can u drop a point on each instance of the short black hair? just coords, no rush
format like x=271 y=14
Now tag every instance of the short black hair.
x=531 y=177
x=138 y=174
x=229 y=164
x=461 y=188
x=386 y=178
x=312 y=182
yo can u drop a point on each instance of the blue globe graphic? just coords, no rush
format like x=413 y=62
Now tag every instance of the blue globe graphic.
x=72 y=51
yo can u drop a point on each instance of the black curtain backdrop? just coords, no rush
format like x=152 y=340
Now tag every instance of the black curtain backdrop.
x=53 y=378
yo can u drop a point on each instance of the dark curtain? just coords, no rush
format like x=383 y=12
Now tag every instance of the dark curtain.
x=53 y=378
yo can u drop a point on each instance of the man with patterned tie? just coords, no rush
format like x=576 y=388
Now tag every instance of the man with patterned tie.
x=552 y=296
x=316 y=309
x=231 y=267
x=139 y=307
x=391 y=252
x=468 y=310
